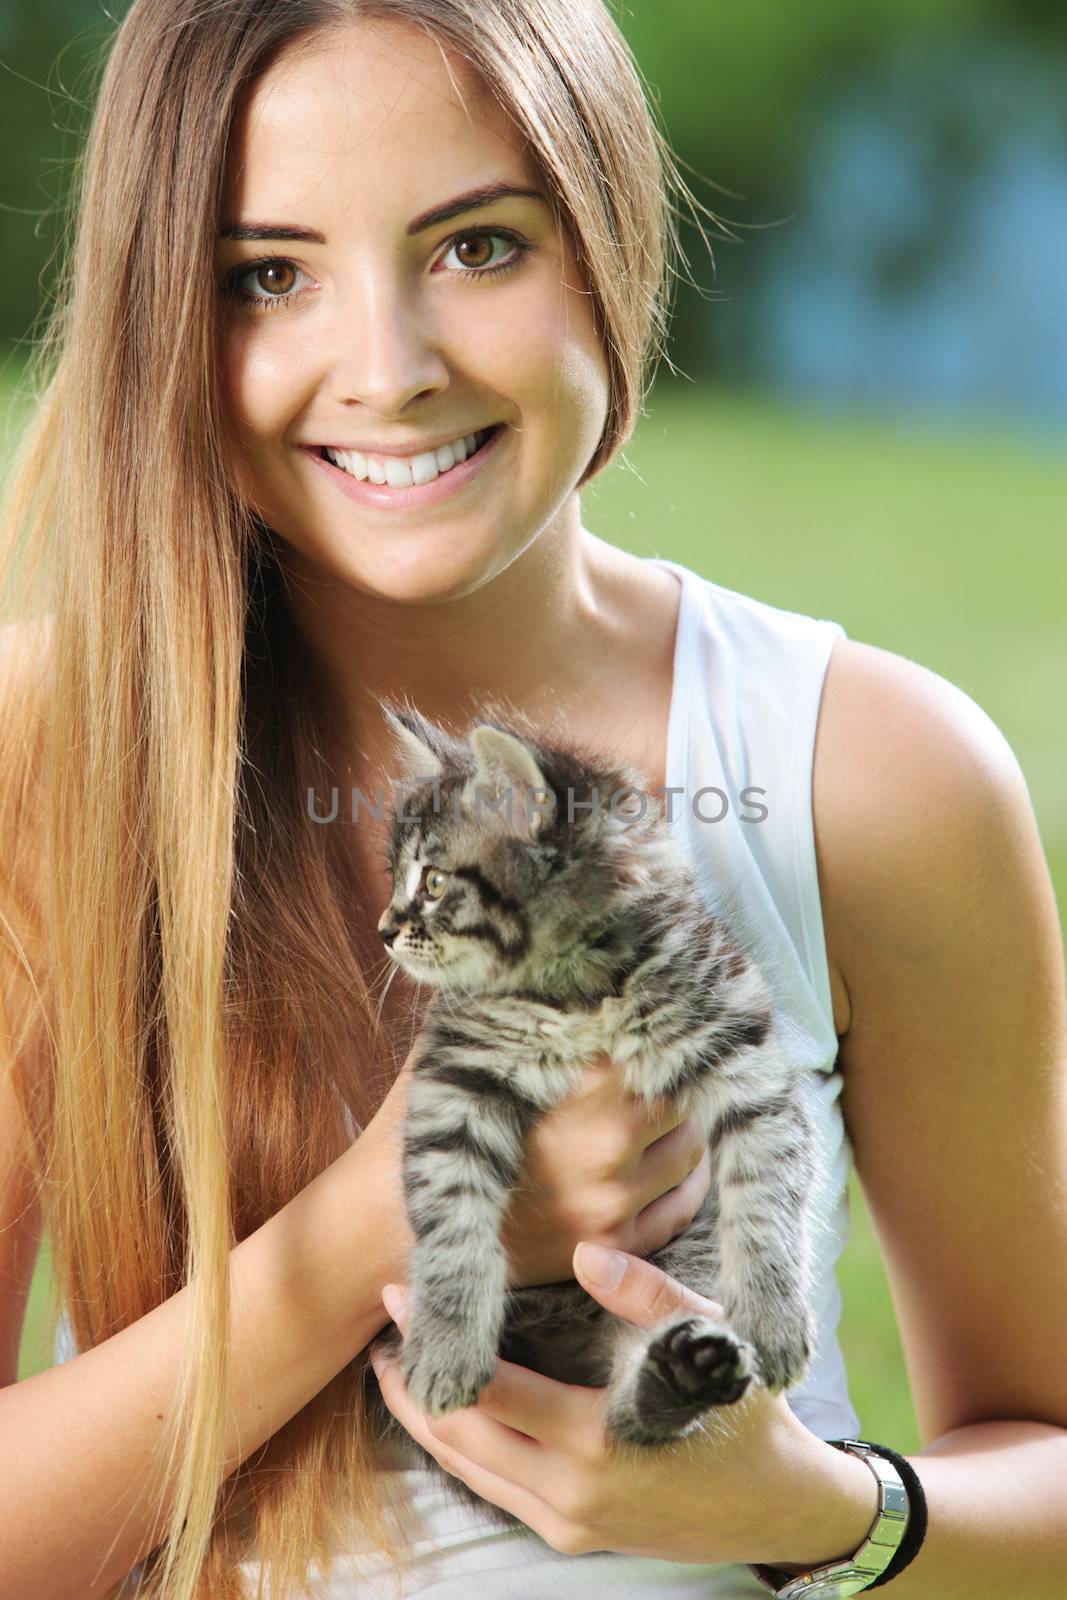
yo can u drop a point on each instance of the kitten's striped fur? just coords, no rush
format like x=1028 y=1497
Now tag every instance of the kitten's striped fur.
x=549 y=941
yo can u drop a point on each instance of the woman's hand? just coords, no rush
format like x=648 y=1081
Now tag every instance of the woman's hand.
x=603 y=1166
x=600 y=1166
x=751 y=1486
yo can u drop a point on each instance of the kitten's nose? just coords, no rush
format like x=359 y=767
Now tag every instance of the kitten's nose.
x=388 y=932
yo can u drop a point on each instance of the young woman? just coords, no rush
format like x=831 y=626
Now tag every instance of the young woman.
x=380 y=229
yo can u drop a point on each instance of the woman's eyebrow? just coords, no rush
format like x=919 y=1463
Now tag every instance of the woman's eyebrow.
x=472 y=200
x=486 y=195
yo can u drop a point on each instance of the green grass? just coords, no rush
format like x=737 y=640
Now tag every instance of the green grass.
x=944 y=547
x=35 y=1350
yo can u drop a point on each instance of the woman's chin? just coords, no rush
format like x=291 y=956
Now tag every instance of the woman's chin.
x=428 y=567
x=431 y=580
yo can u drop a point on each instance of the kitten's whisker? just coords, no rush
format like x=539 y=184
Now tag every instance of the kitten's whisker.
x=413 y=999
x=375 y=978
x=381 y=998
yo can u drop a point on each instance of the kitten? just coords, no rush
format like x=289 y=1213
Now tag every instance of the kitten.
x=551 y=937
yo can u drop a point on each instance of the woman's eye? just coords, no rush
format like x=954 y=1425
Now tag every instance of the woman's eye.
x=435 y=882
x=480 y=253
x=474 y=251
x=275 y=273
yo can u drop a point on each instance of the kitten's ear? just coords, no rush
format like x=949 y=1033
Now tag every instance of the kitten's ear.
x=417 y=754
x=507 y=773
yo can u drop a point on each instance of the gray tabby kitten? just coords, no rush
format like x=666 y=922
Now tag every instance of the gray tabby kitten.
x=550 y=938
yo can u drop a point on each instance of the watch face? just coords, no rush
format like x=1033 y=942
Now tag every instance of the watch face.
x=838 y=1585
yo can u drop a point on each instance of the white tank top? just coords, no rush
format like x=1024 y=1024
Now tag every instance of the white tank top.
x=744 y=704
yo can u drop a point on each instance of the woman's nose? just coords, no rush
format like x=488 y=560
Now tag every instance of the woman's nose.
x=386 y=351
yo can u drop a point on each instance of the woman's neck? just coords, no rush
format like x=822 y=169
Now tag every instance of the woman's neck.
x=531 y=639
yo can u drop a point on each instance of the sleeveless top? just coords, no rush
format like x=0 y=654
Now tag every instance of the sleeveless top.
x=745 y=697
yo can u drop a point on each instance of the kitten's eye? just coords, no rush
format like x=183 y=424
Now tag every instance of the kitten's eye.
x=434 y=882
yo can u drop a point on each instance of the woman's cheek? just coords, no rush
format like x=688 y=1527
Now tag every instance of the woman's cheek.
x=262 y=378
x=551 y=366
x=261 y=392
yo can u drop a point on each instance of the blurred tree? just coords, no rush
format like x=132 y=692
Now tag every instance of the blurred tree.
x=925 y=265
x=49 y=53
x=740 y=90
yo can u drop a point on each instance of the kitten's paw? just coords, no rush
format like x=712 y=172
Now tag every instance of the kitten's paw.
x=691 y=1366
x=443 y=1374
x=699 y=1360
x=783 y=1346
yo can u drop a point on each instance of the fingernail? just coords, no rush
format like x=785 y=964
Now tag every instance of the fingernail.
x=600 y=1266
x=396 y=1301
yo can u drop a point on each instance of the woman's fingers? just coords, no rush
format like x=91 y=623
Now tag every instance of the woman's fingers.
x=669 y=1215
x=636 y=1290
x=672 y=1156
x=602 y=1089
x=653 y=1120
x=469 y=1447
x=538 y=1407
x=593 y=1164
x=517 y=1412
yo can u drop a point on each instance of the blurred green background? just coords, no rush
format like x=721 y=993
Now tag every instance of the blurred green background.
x=867 y=417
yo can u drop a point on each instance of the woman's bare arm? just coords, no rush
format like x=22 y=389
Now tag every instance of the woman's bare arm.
x=81 y=1479
x=941 y=911
x=77 y=1513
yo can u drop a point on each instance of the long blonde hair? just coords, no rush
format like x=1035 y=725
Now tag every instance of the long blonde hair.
x=200 y=1015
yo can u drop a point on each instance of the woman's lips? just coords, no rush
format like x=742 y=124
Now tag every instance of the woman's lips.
x=383 y=496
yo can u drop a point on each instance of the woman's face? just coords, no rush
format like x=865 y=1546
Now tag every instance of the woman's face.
x=380 y=334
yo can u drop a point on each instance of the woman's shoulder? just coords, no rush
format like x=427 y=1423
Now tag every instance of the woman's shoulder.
x=908 y=771
x=899 y=746
x=21 y=637
x=26 y=661
x=25 y=714
x=25 y=709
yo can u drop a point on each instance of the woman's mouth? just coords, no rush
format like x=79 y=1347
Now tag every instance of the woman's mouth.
x=401 y=472
x=408 y=480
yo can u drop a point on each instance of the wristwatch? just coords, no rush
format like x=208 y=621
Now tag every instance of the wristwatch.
x=843 y=1578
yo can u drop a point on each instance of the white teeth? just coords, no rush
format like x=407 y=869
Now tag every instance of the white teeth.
x=400 y=472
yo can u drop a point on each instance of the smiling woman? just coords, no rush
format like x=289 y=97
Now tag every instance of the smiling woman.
x=382 y=351
x=470 y=239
